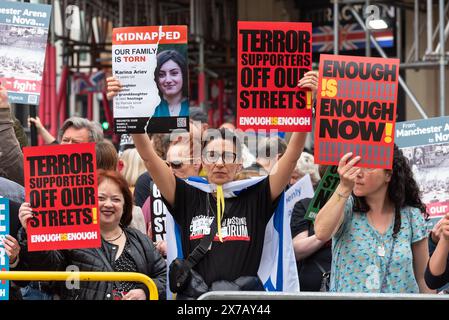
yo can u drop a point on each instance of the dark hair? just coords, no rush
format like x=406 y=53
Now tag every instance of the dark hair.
x=161 y=142
x=107 y=157
x=224 y=134
x=268 y=144
x=402 y=190
x=120 y=181
x=180 y=60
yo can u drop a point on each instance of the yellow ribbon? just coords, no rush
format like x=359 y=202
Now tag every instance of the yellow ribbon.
x=220 y=210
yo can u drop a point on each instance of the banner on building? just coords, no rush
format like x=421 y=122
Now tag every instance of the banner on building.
x=61 y=186
x=151 y=65
x=4 y=260
x=425 y=143
x=272 y=57
x=356 y=110
x=23 y=42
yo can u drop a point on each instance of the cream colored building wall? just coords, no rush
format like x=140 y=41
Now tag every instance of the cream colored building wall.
x=424 y=83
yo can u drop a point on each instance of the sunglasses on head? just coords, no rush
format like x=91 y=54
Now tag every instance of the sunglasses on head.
x=175 y=164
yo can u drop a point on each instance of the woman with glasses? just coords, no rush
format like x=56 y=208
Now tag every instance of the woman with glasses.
x=375 y=219
x=236 y=250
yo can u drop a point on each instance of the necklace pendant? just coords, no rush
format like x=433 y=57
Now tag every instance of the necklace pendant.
x=381 y=251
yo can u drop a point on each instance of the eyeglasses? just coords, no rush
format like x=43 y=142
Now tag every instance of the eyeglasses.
x=213 y=156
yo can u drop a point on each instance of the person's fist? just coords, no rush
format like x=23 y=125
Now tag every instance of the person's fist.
x=309 y=80
x=161 y=246
x=37 y=122
x=113 y=87
x=445 y=227
x=12 y=248
x=436 y=231
x=25 y=213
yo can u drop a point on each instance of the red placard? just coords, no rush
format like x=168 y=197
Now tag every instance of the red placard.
x=356 y=110
x=150 y=35
x=61 y=185
x=272 y=57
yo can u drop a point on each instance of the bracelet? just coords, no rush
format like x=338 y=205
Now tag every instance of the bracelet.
x=341 y=196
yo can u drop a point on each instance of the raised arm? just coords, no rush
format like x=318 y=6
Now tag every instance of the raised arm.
x=437 y=270
x=331 y=216
x=420 y=251
x=282 y=170
x=48 y=138
x=158 y=169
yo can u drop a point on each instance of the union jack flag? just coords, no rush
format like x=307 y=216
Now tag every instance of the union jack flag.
x=351 y=37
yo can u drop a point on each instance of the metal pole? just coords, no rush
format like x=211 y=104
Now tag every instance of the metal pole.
x=429 y=26
x=399 y=33
x=201 y=75
x=382 y=53
x=446 y=33
x=416 y=27
x=446 y=30
x=336 y=16
x=367 y=34
x=442 y=60
x=120 y=13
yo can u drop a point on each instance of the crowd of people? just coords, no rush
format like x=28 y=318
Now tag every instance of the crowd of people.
x=369 y=237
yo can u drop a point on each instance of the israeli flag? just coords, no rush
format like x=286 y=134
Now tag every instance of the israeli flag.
x=277 y=268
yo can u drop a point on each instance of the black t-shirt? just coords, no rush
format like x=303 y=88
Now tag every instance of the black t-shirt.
x=308 y=271
x=243 y=229
x=142 y=189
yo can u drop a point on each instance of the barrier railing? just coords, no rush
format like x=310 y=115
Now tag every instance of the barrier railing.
x=255 y=295
x=82 y=276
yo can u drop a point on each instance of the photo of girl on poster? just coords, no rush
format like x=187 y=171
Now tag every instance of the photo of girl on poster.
x=171 y=77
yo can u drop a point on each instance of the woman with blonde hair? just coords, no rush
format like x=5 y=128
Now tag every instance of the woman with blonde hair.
x=131 y=166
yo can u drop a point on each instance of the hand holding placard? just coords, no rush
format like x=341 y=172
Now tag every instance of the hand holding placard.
x=348 y=172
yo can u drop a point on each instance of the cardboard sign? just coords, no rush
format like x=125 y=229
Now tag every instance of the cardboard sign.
x=151 y=64
x=23 y=41
x=155 y=212
x=356 y=110
x=61 y=186
x=4 y=259
x=325 y=190
x=425 y=143
x=303 y=188
x=272 y=57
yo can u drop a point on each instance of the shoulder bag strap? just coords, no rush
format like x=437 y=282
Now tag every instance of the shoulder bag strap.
x=198 y=253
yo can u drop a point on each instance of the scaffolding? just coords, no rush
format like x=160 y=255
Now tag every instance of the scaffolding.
x=434 y=55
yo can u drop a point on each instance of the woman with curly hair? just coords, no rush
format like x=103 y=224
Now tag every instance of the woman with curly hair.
x=375 y=219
